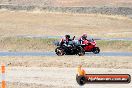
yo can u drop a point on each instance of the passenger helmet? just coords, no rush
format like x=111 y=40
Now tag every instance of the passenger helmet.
x=67 y=36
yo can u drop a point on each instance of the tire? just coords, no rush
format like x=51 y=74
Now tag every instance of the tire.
x=59 y=51
x=96 y=50
x=81 y=52
x=81 y=80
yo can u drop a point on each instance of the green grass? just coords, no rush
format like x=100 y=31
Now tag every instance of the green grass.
x=42 y=44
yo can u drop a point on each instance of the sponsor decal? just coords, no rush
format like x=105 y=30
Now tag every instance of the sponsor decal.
x=83 y=78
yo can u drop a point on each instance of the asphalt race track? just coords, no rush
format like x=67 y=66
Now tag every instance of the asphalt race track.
x=53 y=54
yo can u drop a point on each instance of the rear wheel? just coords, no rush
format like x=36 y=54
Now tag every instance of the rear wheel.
x=81 y=52
x=59 y=51
x=96 y=50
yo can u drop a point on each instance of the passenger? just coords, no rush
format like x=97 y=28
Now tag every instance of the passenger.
x=65 y=40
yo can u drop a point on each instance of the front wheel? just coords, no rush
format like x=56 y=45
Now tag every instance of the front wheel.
x=96 y=50
x=59 y=51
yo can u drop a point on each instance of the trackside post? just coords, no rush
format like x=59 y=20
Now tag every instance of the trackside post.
x=3 y=83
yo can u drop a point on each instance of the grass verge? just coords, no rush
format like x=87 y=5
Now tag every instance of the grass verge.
x=42 y=44
x=115 y=45
x=26 y=44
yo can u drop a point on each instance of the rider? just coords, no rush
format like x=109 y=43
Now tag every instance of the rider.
x=65 y=40
x=83 y=39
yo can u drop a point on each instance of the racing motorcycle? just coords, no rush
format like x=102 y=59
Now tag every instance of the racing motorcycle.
x=70 y=49
x=90 y=46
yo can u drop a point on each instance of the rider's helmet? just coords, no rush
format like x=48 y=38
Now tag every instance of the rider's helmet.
x=67 y=36
x=84 y=36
